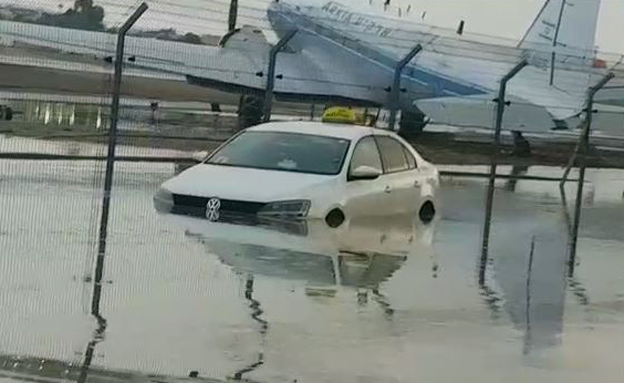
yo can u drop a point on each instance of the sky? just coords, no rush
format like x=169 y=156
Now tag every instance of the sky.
x=501 y=18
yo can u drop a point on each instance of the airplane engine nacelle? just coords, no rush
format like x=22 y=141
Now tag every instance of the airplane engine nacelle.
x=245 y=38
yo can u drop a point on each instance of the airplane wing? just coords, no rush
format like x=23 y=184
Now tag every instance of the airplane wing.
x=613 y=92
x=534 y=104
x=560 y=49
x=479 y=111
x=240 y=66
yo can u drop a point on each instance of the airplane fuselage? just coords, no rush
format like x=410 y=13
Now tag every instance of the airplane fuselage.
x=369 y=46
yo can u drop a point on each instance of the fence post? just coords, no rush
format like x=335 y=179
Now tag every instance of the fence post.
x=500 y=111
x=110 y=159
x=395 y=95
x=268 y=99
x=98 y=336
x=232 y=15
x=583 y=148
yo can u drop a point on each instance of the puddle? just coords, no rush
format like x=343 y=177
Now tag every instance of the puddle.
x=374 y=301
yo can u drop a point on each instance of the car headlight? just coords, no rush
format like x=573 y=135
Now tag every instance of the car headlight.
x=163 y=200
x=293 y=209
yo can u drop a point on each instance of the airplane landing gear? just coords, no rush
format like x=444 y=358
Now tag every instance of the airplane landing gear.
x=249 y=111
x=522 y=147
x=411 y=124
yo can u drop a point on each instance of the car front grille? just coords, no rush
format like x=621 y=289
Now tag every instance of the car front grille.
x=192 y=205
x=238 y=213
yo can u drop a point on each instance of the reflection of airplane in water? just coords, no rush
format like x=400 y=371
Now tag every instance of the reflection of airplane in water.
x=526 y=275
x=532 y=282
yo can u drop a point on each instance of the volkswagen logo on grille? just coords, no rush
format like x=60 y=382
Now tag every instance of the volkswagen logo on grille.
x=212 y=209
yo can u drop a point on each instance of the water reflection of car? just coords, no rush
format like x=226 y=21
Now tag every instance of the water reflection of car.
x=313 y=170
x=362 y=255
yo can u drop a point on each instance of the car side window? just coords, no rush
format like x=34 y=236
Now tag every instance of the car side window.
x=411 y=161
x=393 y=154
x=366 y=153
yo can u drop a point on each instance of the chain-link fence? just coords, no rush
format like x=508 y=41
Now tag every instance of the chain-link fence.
x=56 y=92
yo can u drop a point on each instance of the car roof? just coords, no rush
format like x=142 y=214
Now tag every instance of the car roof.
x=344 y=131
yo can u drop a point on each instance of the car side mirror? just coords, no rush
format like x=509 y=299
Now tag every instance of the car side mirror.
x=364 y=173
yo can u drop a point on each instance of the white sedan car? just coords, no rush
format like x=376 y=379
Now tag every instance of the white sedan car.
x=310 y=170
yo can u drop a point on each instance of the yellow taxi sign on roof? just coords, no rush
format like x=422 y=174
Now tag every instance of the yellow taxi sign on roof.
x=340 y=115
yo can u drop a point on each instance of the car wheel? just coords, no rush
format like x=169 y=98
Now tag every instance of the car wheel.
x=427 y=212
x=335 y=218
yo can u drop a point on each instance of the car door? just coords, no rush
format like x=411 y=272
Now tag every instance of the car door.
x=400 y=176
x=365 y=198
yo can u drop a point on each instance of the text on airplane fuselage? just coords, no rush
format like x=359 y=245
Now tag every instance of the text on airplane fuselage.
x=341 y=14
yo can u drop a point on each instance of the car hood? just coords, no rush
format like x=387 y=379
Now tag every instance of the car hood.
x=245 y=184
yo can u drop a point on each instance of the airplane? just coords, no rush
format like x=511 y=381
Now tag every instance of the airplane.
x=338 y=56
x=342 y=56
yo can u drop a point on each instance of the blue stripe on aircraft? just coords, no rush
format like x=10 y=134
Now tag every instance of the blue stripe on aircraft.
x=441 y=85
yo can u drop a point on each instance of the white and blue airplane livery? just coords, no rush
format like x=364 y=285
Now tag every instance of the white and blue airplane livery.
x=341 y=56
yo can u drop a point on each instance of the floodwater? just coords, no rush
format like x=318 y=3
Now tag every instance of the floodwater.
x=378 y=302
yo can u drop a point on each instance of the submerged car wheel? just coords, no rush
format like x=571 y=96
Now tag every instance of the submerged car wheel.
x=427 y=212
x=335 y=218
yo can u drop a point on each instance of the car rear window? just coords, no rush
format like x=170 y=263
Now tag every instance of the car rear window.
x=411 y=161
x=283 y=151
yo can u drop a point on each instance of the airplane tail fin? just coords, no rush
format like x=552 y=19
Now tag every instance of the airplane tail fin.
x=567 y=24
x=560 y=46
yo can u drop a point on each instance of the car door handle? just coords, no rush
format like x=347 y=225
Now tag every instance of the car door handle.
x=388 y=189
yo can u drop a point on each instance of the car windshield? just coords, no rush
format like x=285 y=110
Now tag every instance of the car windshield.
x=295 y=152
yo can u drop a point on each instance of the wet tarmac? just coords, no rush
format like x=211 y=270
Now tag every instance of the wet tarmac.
x=378 y=301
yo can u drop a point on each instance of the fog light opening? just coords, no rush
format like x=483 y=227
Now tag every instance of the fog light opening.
x=335 y=218
x=427 y=212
